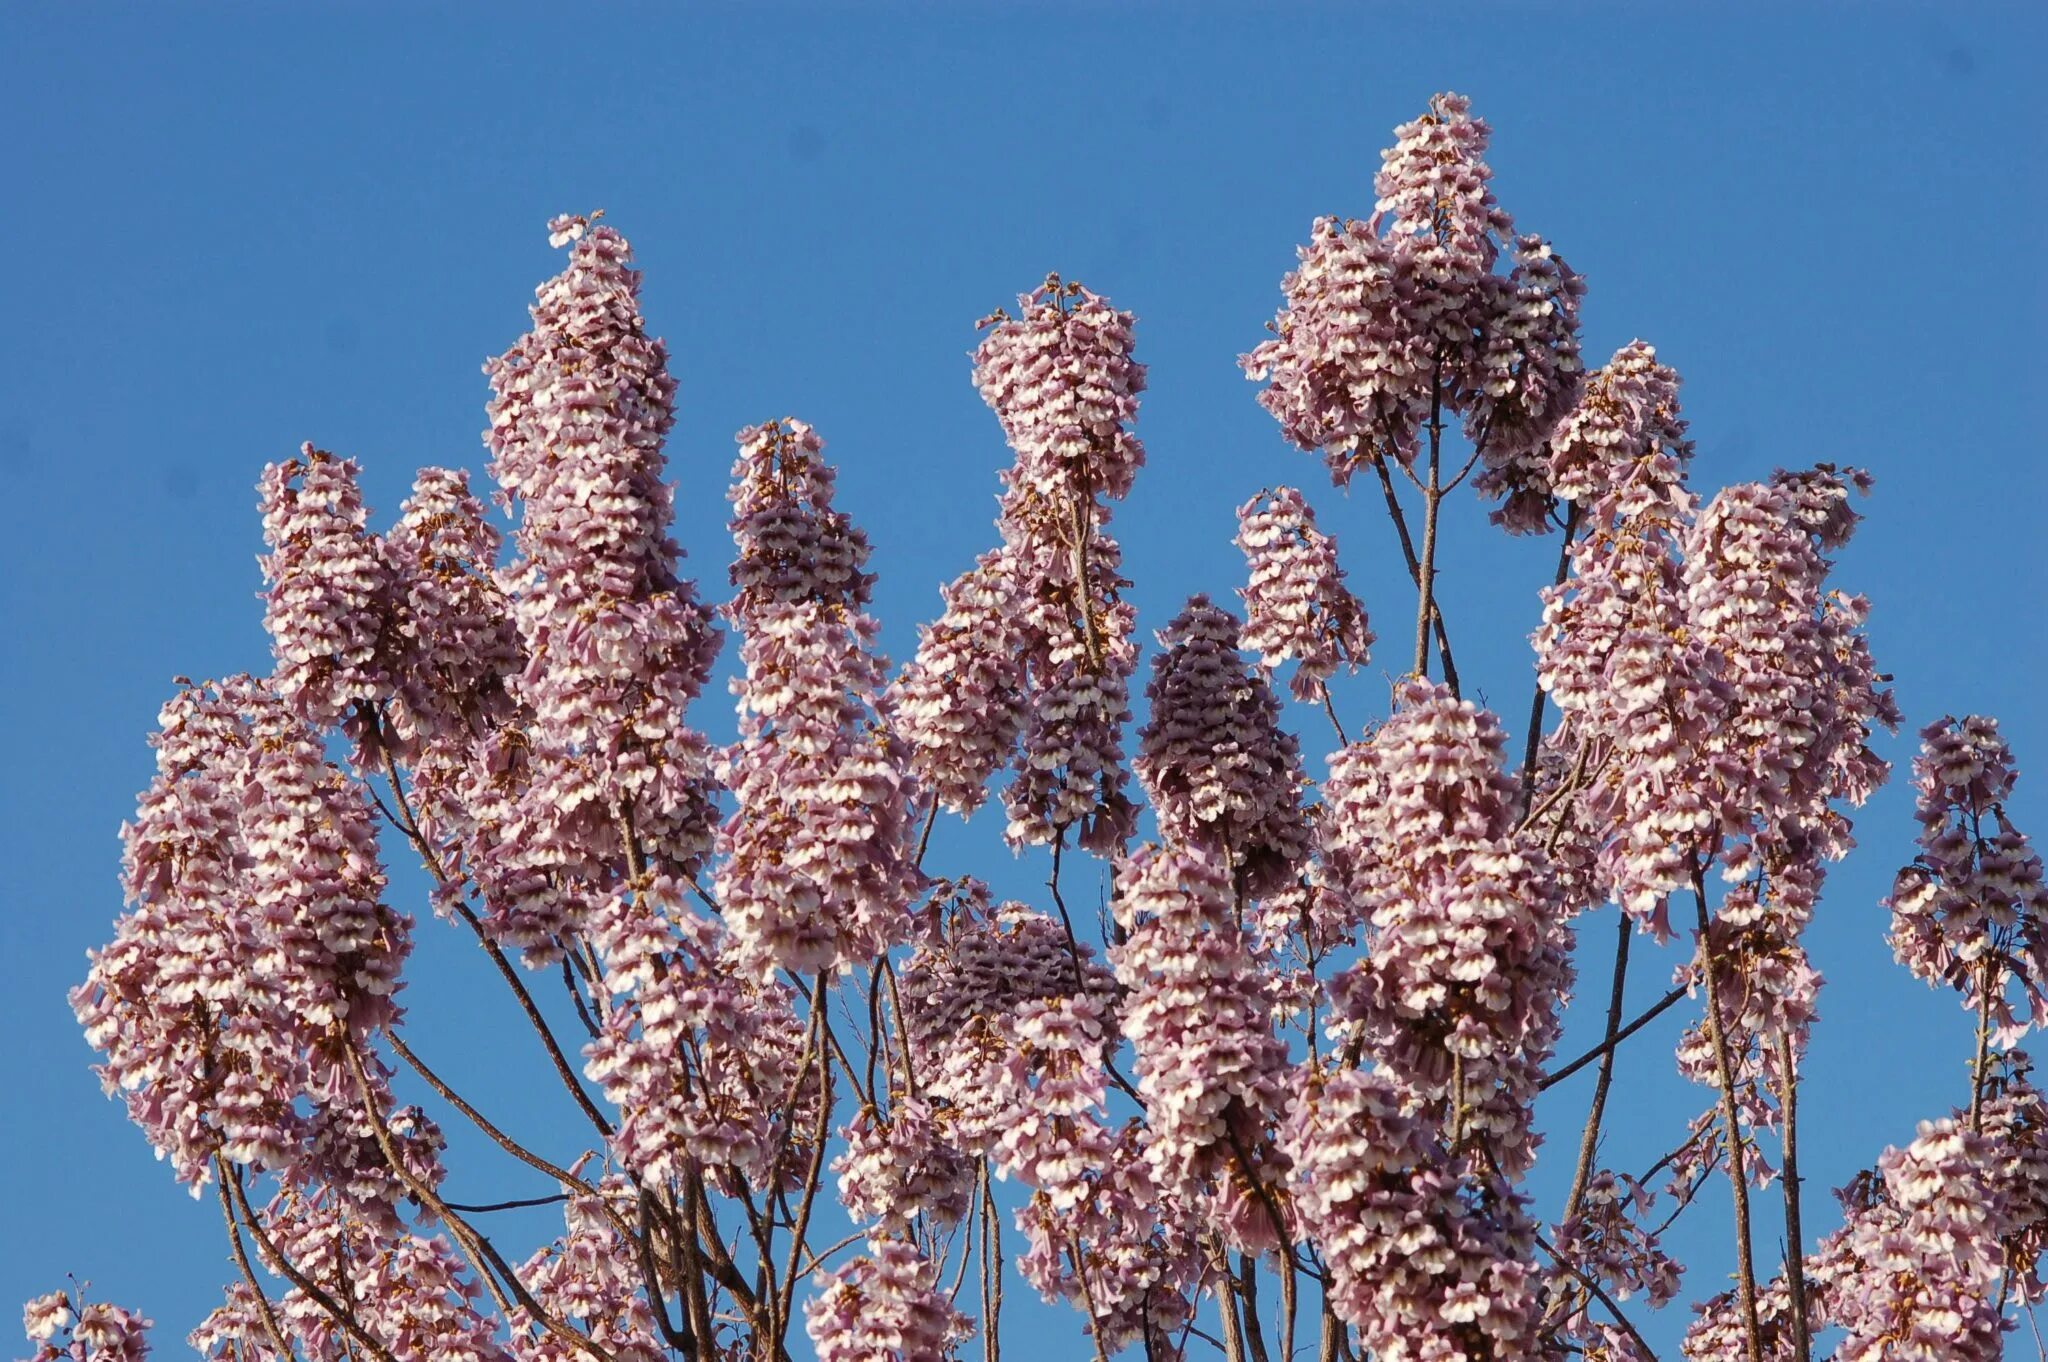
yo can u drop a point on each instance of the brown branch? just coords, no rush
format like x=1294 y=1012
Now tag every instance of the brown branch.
x=483 y=1123
x=1254 y=1328
x=1327 y=1342
x=991 y=1271
x=1226 y=1304
x=690 y=1262
x=1724 y=1074
x=227 y=1210
x=1330 y=708
x=332 y=1308
x=1052 y=882
x=556 y=1056
x=483 y=1256
x=557 y=1199
x=1981 y=1065
x=814 y=1174
x=1589 y=1138
x=657 y=1299
x=1443 y=638
x=1795 y=1238
x=902 y=1026
x=1432 y=500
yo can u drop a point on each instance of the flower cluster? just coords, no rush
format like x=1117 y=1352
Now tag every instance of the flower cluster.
x=695 y=1056
x=959 y=705
x=1212 y=758
x=1615 y=652
x=1061 y=380
x=1009 y=1027
x=1006 y=1021
x=1768 y=992
x=1797 y=700
x=899 y=1167
x=1417 y=1263
x=884 y=1307
x=792 y=544
x=1211 y=1072
x=1970 y=912
x=258 y=947
x=1801 y=693
x=1606 y=1241
x=1719 y=1332
x=326 y=606
x=413 y=1294
x=1345 y=375
x=1390 y=318
x=1297 y=608
x=450 y=622
x=1526 y=380
x=817 y=863
x=1468 y=953
x=617 y=645
x=2014 y=1117
x=1623 y=442
x=1917 y=1266
x=1127 y=1254
x=92 y=1332
x=588 y=1277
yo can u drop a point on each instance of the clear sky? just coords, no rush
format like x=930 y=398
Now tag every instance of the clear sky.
x=240 y=228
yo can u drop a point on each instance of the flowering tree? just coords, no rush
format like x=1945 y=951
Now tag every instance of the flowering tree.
x=1282 y=1100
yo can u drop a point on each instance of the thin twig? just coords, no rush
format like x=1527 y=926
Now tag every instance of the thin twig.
x=1432 y=499
x=1330 y=708
x=1052 y=882
x=800 y=1229
x=1600 y=1295
x=1534 y=739
x=1655 y=1010
x=474 y=1208
x=1981 y=1066
x=482 y=1122
x=992 y=1268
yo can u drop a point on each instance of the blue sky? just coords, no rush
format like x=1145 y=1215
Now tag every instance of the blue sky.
x=239 y=228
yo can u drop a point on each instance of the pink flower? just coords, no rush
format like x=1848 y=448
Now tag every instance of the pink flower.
x=1388 y=319
x=328 y=603
x=1210 y=1068
x=1220 y=772
x=258 y=943
x=617 y=645
x=1970 y=912
x=93 y=1332
x=1468 y=955
x=1062 y=381
x=960 y=703
x=817 y=863
x=1297 y=607
x=885 y=1307
x=1418 y=1268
